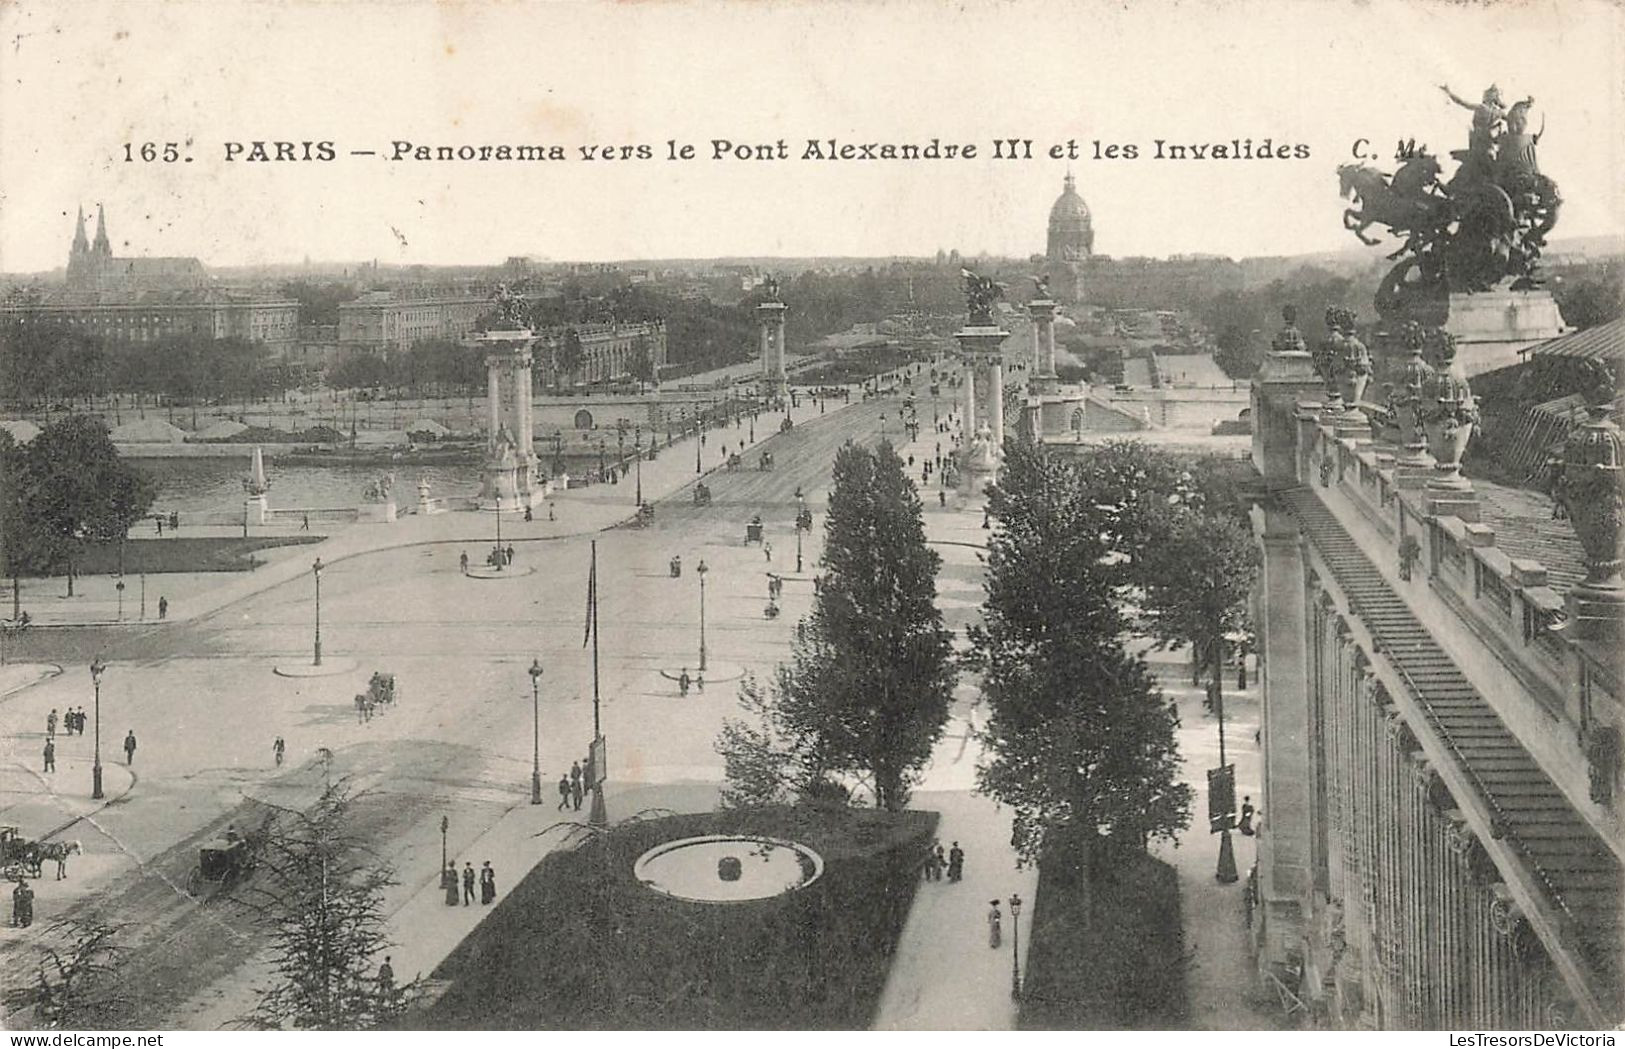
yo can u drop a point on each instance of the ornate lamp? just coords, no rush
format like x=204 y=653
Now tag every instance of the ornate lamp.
x=1406 y=398
x=1449 y=414
x=1588 y=487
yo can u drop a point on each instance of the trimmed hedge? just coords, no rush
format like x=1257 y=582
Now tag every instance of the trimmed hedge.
x=1123 y=968
x=580 y=944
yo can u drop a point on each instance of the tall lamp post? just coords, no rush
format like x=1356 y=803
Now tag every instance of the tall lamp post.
x=97 y=667
x=536 y=732
x=637 y=449
x=701 y=569
x=316 y=570
x=1015 y=946
x=445 y=825
x=699 y=432
x=801 y=524
x=498 y=558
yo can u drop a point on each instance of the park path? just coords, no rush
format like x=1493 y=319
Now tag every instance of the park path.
x=944 y=975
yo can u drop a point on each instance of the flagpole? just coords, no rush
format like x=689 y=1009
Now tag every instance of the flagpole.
x=599 y=815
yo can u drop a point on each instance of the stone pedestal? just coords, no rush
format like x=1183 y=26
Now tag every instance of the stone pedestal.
x=1492 y=326
x=256 y=509
x=510 y=462
x=1043 y=376
x=770 y=322
x=984 y=398
x=376 y=513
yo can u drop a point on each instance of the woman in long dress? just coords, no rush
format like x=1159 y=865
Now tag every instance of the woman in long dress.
x=994 y=919
x=488 y=883
x=448 y=881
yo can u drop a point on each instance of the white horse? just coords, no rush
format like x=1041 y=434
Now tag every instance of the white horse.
x=60 y=851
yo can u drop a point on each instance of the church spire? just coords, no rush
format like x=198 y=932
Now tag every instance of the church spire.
x=80 y=243
x=102 y=247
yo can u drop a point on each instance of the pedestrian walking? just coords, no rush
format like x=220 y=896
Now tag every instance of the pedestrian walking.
x=939 y=860
x=468 y=883
x=528 y=517
x=159 y=521
x=550 y=515
x=575 y=775
x=575 y=795
x=488 y=883
x=462 y=562
x=564 y=792
x=22 y=904
x=942 y=498
x=174 y=521
x=1247 y=812
x=129 y=747
x=386 y=983
x=50 y=723
x=683 y=681
x=278 y=750
x=767 y=548
x=163 y=607
x=50 y=756
x=304 y=523
x=448 y=882
x=995 y=921
x=956 y=862
x=510 y=554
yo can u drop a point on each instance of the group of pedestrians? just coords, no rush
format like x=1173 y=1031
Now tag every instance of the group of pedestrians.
x=73 y=722
x=938 y=862
x=486 y=879
x=571 y=789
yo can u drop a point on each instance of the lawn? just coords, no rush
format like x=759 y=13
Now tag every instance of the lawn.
x=1124 y=968
x=194 y=554
x=580 y=944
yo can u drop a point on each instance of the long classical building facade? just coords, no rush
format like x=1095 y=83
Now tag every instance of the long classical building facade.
x=1441 y=711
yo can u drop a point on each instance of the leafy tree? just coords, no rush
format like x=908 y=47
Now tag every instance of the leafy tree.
x=75 y=981
x=643 y=366
x=76 y=489
x=1593 y=299
x=1081 y=741
x=322 y=894
x=569 y=357
x=871 y=680
x=1195 y=584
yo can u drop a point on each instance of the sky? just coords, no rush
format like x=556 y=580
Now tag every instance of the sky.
x=79 y=81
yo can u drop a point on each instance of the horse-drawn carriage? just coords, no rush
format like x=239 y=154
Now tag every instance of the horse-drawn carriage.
x=645 y=516
x=19 y=857
x=702 y=494
x=735 y=461
x=381 y=690
x=766 y=461
x=224 y=862
x=753 y=530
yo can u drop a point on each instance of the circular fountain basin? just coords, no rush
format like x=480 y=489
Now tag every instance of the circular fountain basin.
x=699 y=869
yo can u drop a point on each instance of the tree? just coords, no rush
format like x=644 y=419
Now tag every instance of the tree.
x=1195 y=584
x=643 y=366
x=569 y=357
x=1081 y=741
x=322 y=894
x=75 y=981
x=871 y=679
x=76 y=488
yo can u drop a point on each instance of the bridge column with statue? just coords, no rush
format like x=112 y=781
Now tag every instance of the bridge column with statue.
x=509 y=477
x=1049 y=409
x=770 y=322
x=980 y=343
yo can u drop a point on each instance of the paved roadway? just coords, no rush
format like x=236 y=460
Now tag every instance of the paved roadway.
x=206 y=707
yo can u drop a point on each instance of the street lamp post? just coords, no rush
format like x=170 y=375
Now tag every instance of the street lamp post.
x=97 y=667
x=498 y=558
x=701 y=569
x=699 y=432
x=445 y=825
x=316 y=570
x=637 y=449
x=1015 y=946
x=536 y=732
x=801 y=518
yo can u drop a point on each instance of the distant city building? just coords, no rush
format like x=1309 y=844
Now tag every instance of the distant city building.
x=608 y=351
x=383 y=322
x=1078 y=275
x=209 y=313
x=142 y=300
x=93 y=269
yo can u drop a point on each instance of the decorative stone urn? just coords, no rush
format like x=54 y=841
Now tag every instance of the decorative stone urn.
x=1449 y=414
x=1588 y=487
x=1406 y=398
x=1342 y=360
x=729 y=868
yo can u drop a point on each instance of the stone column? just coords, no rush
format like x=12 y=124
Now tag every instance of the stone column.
x=1042 y=312
x=493 y=402
x=995 y=404
x=1284 y=847
x=969 y=426
x=770 y=319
